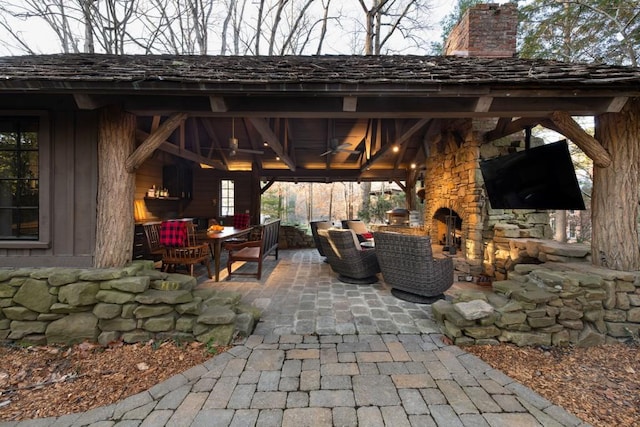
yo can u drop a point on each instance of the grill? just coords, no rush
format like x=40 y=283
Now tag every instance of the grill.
x=398 y=216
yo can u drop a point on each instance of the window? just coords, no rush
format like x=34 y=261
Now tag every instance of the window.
x=226 y=197
x=19 y=178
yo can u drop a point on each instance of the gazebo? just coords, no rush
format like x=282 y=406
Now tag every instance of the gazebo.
x=107 y=125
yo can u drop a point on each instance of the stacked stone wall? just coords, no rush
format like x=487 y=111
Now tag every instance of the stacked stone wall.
x=548 y=304
x=294 y=237
x=525 y=240
x=133 y=304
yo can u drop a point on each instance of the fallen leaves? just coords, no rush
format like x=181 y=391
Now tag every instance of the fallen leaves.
x=48 y=381
x=597 y=384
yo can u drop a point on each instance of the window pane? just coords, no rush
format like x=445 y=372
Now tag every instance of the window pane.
x=8 y=192
x=19 y=223
x=8 y=164
x=226 y=197
x=19 y=178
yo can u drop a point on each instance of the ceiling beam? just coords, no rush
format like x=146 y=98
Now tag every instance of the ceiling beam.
x=153 y=141
x=87 y=102
x=218 y=104
x=399 y=141
x=215 y=142
x=271 y=138
x=483 y=104
x=349 y=103
x=173 y=149
x=333 y=175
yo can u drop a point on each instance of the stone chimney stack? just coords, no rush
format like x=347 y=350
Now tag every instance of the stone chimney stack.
x=486 y=30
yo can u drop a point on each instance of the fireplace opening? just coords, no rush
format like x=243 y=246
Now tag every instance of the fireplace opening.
x=448 y=229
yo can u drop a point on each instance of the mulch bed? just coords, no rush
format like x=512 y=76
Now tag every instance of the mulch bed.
x=600 y=385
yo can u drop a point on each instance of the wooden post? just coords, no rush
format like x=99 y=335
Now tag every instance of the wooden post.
x=614 y=202
x=256 y=195
x=116 y=186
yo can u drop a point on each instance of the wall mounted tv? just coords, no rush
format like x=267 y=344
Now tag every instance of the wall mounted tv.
x=538 y=178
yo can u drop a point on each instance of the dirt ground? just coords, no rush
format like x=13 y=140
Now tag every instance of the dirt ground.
x=600 y=385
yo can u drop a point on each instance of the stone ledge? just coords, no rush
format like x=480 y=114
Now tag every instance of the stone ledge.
x=547 y=304
x=136 y=303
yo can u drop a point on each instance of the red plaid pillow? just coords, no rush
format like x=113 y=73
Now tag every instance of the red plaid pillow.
x=241 y=221
x=173 y=233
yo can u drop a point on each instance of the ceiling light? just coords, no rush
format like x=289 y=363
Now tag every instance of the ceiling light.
x=413 y=165
x=396 y=148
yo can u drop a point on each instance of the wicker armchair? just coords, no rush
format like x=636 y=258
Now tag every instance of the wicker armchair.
x=319 y=225
x=408 y=266
x=347 y=258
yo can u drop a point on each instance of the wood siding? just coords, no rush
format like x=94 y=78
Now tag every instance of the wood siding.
x=206 y=189
x=73 y=187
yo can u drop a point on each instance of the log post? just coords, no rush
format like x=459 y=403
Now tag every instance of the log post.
x=614 y=202
x=116 y=186
x=591 y=146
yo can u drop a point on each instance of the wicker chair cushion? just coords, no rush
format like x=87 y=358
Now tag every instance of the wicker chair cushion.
x=359 y=228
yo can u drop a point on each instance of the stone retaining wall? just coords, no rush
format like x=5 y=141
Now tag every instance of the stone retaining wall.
x=293 y=237
x=547 y=304
x=133 y=304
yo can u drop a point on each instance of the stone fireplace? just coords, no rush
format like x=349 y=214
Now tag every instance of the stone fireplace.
x=454 y=186
x=447 y=228
x=455 y=194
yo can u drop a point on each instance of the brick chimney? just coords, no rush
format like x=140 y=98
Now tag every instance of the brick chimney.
x=486 y=30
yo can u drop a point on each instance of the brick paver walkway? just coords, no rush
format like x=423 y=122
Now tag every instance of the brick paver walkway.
x=330 y=354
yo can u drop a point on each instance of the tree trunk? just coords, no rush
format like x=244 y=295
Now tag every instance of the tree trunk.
x=115 y=223
x=615 y=191
x=560 y=233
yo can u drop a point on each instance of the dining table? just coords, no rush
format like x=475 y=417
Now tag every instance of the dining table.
x=216 y=238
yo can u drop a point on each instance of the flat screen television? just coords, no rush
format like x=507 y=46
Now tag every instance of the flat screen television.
x=538 y=178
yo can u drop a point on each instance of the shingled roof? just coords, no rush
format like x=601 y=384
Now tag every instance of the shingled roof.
x=410 y=71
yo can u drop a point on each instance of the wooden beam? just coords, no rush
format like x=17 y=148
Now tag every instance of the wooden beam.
x=506 y=127
x=333 y=175
x=271 y=138
x=616 y=104
x=588 y=144
x=483 y=104
x=194 y=134
x=218 y=104
x=267 y=186
x=215 y=143
x=155 y=123
x=401 y=185
x=349 y=103
x=190 y=155
x=87 y=102
x=173 y=149
x=153 y=141
x=399 y=141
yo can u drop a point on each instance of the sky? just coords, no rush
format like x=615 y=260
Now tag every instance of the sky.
x=38 y=35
